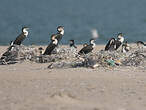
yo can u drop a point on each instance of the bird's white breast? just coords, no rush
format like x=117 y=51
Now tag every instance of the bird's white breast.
x=25 y=32
x=55 y=42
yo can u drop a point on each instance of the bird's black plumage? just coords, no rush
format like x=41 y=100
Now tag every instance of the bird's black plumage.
x=110 y=45
x=140 y=42
x=58 y=36
x=22 y=36
x=8 y=54
x=85 y=50
x=119 y=41
x=125 y=47
x=118 y=44
x=114 y=44
x=50 y=48
x=72 y=44
x=19 y=39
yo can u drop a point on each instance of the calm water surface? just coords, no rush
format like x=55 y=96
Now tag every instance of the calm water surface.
x=78 y=17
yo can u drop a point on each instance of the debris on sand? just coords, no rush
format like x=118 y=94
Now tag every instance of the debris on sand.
x=135 y=59
x=69 y=58
x=16 y=53
x=103 y=59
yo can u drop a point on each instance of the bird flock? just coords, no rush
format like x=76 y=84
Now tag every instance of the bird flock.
x=112 y=45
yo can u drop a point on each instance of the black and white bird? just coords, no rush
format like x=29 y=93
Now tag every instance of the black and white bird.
x=51 y=46
x=8 y=52
x=114 y=44
x=22 y=36
x=60 y=33
x=72 y=44
x=119 y=41
x=110 y=46
x=40 y=50
x=125 y=47
x=141 y=44
x=11 y=43
x=87 y=48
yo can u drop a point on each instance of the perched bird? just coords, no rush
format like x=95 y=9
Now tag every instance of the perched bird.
x=141 y=44
x=125 y=47
x=40 y=50
x=110 y=46
x=87 y=48
x=119 y=40
x=114 y=44
x=51 y=46
x=7 y=53
x=72 y=44
x=22 y=36
x=11 y=43
x=60 y=33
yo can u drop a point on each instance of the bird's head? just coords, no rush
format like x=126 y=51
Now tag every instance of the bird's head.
x=60 y=29
x=71 y=42
x=92 y=41
x=25 y=30
x=120 y=37
x=85 y=44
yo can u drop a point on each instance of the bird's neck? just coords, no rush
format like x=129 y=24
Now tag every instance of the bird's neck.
x=25 y=32
x=61 y=32
x=123 y=49
x=71 y=45
x=55 y=41
x=121 y=39
x=93 y=44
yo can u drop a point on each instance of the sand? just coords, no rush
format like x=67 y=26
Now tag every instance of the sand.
x=32 y=86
